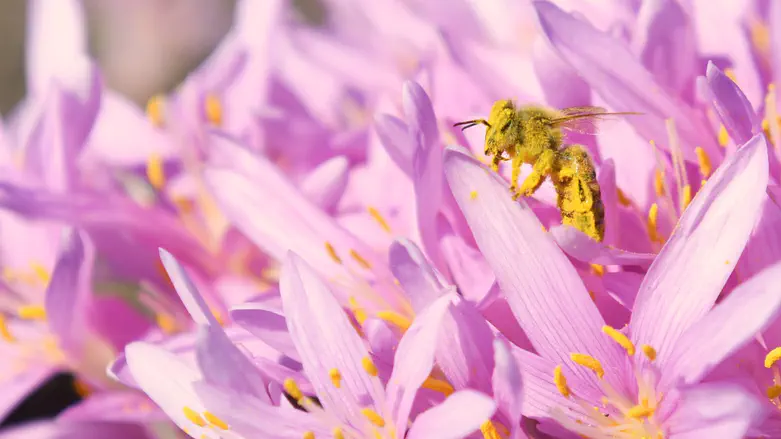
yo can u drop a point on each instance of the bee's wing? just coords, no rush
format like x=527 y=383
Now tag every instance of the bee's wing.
x=584 y=120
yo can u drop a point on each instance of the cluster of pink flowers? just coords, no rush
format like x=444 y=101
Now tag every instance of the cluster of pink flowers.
x=297 y=243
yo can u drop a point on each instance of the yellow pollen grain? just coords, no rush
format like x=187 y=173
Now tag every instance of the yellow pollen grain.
x=309 y=435
x=215 y=421
x=154 y=110
x=5 y=332
x=336 y=377
x=686 y=197
x=155 y=172
x=489 y=430
x=213 y=108
x=358 y=312
x=649 y=352
x=640 y=411
x=623 y=199
x=291 y=388
x=653 y=213
x=166 y=323
x=396 y=319
x=598 y=269
x=723 y=136
x=332 y=252
x=82 y=389
x=440 y=386
x=561 y=381
x=730 y=73
x=704 y=161
x=588 y=362
x=373 y=417
x=619 y=338
x=338 y=433
x=368 y=366
x=41 y=272
x=659 y=182
x=377 y=216
x=473 y=195
x=193 y=416
x=360 y=259
x=702 y=183
x=772 y=357
x=773 y=391
x=31 y=312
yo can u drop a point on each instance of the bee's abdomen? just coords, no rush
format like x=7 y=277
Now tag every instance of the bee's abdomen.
x=579 y=195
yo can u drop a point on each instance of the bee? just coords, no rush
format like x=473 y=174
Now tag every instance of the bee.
x=535 y=135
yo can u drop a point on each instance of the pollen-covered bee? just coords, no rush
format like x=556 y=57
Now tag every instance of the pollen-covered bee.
x=534 y=135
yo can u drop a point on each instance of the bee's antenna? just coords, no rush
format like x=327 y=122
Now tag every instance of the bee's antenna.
x=470 y=123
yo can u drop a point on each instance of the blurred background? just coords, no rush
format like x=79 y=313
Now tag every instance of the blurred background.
x=144 y=47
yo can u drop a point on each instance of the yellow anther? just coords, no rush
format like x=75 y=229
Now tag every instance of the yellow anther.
x=702 y=183
x=649 y=352
x=659 y=182
x=561 y=381
x=730 y=73
x=292 y=389
x=166 y=323
x=772 y=357
x=309 y=435
x=155 y=107
x=623 y=199
x=489 y=430
x=373 y=417
x=436 y=385
x=82 y=389
x=31 y=312
x=41 y=272
x=217 y=316
x=765 y=125
x=357 y=310
x=215 y=421
x=155 y=172
x=473 y=195
x=360 y=259
x=588 y=362
x=332 y=252
x=396 y=319
x=194 y=417
x=379 y=218
x=619 y=338
x=5 y=332
x=773 y=391
x=598 y=269
x=686 y=197
x=760 y=36
x=640 y=411
x=368 y=366
x=723 y=136
x=704 y=161
x=336 y=377
x=338 y=433
x=653 y=213
x=213 y=109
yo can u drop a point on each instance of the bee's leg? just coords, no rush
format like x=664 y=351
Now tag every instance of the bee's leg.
x=516 y=172
x=495 y=162
x=541 y=168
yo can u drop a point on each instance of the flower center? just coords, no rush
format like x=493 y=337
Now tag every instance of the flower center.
x=617 y=414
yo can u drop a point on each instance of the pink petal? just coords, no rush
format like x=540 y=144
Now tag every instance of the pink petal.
x=507 y=383
x=326 y=340
x=747 y=311
x=460 y=415
x=189 y=295
x=583 y=248
x=69 y=292
x=325 y=185
x=414 y=360
x=686 y=278
x=725 y=411
x=421 y=282
x=541 y=285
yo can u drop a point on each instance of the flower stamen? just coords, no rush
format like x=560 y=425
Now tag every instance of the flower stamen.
x=620 y=338
x=588 y=362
